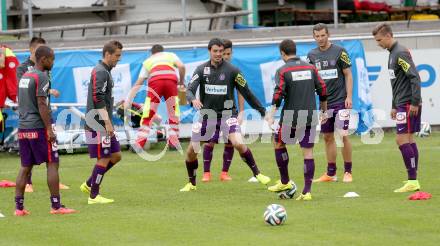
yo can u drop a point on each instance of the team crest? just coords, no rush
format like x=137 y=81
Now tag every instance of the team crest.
x=222 y=76
x=403 y=64
x=345 y=58
x=240 y=80
x=207 y=71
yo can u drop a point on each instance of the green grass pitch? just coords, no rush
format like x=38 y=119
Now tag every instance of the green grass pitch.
x=150 y=210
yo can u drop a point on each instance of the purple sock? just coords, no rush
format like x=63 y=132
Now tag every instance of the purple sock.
x=56 y=202
x=191 y=167
x=228 y=154
x=249 y=159
x=409 y=160
x=109 y=166
x=331 y=169
x=309 y=172
x=97 y=176
x=29 y=178
x=347 y=166
x=207 y=157
x=282 y=158
x=416 y=154
x=19 y=202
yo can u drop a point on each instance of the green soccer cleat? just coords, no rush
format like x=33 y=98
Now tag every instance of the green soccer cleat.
x=188 y=187
x=304 y=197
x=280 y=186
x=263 y=179
x=85 y=188
x=99 y=200
x=409 y=186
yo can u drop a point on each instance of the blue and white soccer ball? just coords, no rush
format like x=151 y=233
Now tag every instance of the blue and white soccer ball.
x=275 y=214
x=425 y=130
x=288 y=194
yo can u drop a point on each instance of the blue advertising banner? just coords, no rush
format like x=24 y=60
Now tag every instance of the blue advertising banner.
x=71 y=73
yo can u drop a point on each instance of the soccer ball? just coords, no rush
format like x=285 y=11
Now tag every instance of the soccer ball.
x=288 y=194
x=425 y=130
x=275 y=214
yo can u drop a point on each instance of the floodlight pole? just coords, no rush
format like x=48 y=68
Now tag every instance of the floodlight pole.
x=30 y=24
x=184 y=17
x=335 y=13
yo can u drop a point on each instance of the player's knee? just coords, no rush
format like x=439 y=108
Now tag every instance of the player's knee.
x=210 y=144
x=116 y=157
x=329 y=138
x=241 y=148
x=278 y=145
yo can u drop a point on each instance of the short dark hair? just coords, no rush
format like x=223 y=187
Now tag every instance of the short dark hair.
x=156 y=48
x=43 y=51
x=227 y=44
x=320 y=26
x=288 y=46
x=382 y=28
x=215 y=41
x=111 y=47
x=36 y=40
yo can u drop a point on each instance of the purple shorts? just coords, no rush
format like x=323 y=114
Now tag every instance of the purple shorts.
x=406 y=123
x=100 y=145
x=339 y=118
x=291 y=135
x=34 y=147
x=209 y=130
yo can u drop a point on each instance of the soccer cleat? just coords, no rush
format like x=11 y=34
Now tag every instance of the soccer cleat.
x=23 y=212
x=280 y=186
x=99 y=200
x=348 y=177
x=29 y=188
x=64 y=187
x=188 y=187
x=411 y=185
x=85 y=188
x=326 y=178
x=206 y=177
x=62 y=210
x=224 y=176
x=304 y=197
x=262 y=179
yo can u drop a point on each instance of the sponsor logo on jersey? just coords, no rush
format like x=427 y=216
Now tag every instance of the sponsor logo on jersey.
x=216 y=89
x=301 y=75
x=24 y=83
x=328 y=74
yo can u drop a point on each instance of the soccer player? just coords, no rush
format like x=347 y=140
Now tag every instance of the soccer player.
x=406 y=107
x=159 y=71
x=101 y=139
x=24 y=67
x=296 y=83
x=217 y=80
x=334 y=66
x=228 y=152
x=36 y=137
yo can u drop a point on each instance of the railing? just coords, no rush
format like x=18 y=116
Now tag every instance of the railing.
x=108 y=25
